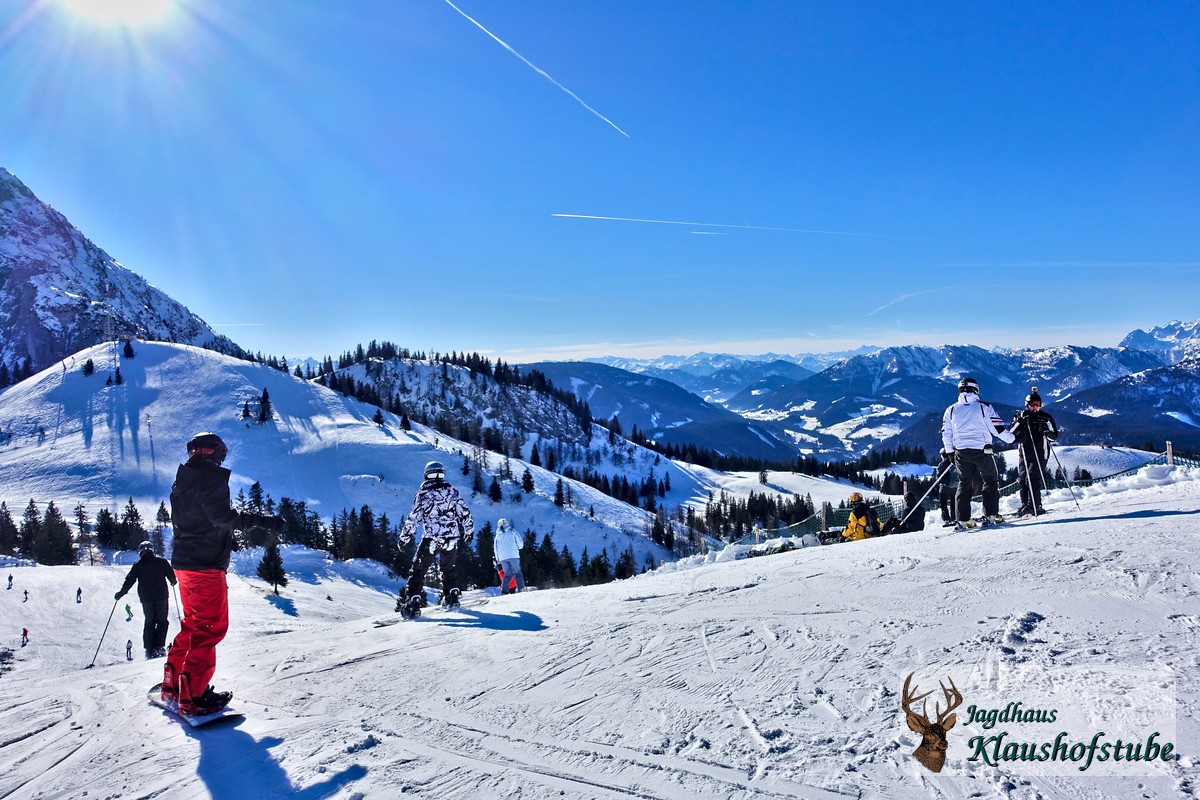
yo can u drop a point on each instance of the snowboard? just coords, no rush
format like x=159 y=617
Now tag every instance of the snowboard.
x=155 y=697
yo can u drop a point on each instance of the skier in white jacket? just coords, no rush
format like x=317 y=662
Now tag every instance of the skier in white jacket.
x=508 y=553
x=967 y=430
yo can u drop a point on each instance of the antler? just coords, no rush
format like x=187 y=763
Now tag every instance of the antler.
x=910 y=697
x=954 y=699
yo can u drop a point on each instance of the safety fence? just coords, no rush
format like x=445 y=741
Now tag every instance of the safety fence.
x=828 y=520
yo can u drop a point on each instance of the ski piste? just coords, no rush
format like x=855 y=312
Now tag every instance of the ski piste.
x=171 y=706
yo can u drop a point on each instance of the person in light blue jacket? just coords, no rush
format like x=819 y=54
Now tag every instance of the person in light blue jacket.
x=508 y=553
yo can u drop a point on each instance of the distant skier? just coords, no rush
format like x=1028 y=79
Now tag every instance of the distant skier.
x=79 y=595
x=129 y=649
x=204 y=523
x=26 y=600
x=1034 y=430
x=863 y=522
x=128 y=612
x=10 y=581
x=440 y=510
x=507 y=547
x=967 y=430
x=151 y=573
x=24 y=636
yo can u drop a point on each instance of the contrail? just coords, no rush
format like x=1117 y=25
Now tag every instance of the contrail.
x=535 y=68
x=719 y=225
x=911 y=295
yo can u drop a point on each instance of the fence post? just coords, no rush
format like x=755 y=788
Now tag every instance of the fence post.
x=1170 y=455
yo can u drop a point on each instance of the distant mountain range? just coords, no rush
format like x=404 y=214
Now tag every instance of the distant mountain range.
x=60 y=293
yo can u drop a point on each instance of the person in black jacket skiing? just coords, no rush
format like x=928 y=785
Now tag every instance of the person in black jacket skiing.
x=152 y=574
x=1035 y=430
x=204 y=523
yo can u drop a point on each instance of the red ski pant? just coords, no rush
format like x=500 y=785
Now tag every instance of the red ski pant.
x=205 y=600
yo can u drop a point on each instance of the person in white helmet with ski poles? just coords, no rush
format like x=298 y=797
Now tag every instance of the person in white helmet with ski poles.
x=967 y=430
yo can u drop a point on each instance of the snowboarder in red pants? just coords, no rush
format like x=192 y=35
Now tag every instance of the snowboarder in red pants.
x=204 y=524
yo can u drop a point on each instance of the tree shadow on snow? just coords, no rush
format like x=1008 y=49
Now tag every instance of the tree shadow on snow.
x=514 y=621
x=284 y=604
x=235 y=764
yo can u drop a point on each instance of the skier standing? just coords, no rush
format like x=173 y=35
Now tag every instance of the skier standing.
x=129 y=649
x=204 y=524
x=24 y=636
x=440 y=510
x=967 y=430
x=79 y=595
x=1034 y=430
x=152 y=574
x=10 y=581
x=507 y=547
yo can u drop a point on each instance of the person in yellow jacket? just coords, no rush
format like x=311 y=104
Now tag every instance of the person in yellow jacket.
x=864 y=522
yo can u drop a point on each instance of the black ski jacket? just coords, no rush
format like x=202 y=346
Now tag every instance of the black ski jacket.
x=1034 y=430
x=151 y=573
x=202 y=516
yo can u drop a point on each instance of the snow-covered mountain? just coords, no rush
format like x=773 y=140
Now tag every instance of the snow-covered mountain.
x=60 y=293
x=868 y=399
x=775 y=678
x=1174 y=342
x=663 y=411
x=70 y=437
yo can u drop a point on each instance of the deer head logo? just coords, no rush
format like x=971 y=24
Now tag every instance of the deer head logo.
x=932 y=750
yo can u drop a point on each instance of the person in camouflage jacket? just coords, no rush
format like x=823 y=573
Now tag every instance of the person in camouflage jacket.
x=440 y=510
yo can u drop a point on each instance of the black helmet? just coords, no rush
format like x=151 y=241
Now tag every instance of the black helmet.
x=968 y=385
x=434 y=469
x=146 y=547
x=207 y=446
x=1033 y=396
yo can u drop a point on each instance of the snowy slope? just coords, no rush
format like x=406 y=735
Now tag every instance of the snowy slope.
x=776 y=677
x=74 y=438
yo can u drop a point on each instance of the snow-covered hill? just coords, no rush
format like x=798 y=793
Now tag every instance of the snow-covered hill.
x=776 y=677
x=60 y=293
x=72 y=438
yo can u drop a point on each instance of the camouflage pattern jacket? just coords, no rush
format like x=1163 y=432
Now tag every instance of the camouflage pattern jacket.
x=440 y=509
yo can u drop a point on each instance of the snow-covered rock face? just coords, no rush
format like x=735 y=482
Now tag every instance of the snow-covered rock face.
x=1175 y=342
x=60 y=293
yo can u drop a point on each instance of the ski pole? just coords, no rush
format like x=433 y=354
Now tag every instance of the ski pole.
x=1029 y=478
x=920 y=503
x=175 y=591
x=1065 y=478
x=102 y=635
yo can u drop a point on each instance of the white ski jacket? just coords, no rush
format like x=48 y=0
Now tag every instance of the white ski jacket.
x=507 y=544
x=970 y=424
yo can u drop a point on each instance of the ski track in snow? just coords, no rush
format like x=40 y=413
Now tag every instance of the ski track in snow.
x=777 y=677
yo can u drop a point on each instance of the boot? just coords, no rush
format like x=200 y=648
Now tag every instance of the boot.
x=169 y=687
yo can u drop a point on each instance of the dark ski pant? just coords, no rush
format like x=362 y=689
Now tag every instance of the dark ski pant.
x=424 y=559
x=154 y=629
x=946 y=501
x=205 y=599
x=1032 y=480
x=976 y=467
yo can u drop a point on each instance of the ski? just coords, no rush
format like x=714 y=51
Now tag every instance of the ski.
x=172 y=707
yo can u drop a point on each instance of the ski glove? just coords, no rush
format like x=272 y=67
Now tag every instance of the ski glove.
x=118 y=595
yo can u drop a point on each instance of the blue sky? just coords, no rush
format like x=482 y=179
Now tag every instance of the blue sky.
x=310 y=175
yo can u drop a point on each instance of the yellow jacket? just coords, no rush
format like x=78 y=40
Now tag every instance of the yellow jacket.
x=861 y=526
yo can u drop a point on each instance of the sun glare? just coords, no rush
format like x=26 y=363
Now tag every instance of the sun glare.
x=119 y=12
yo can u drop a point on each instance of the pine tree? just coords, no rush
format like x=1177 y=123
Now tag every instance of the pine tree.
x=9 y=535
x=559 y=499
x=85 y=533
x=119 y=379
x=264 y=407
x=270 y=569
x=89 y=367
x=527 y=482
x=494 y=493
x=107 y=531
x=132 y=530
x=53 y=544
x=31 y=526
x=127 y=351
x=378 y=418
